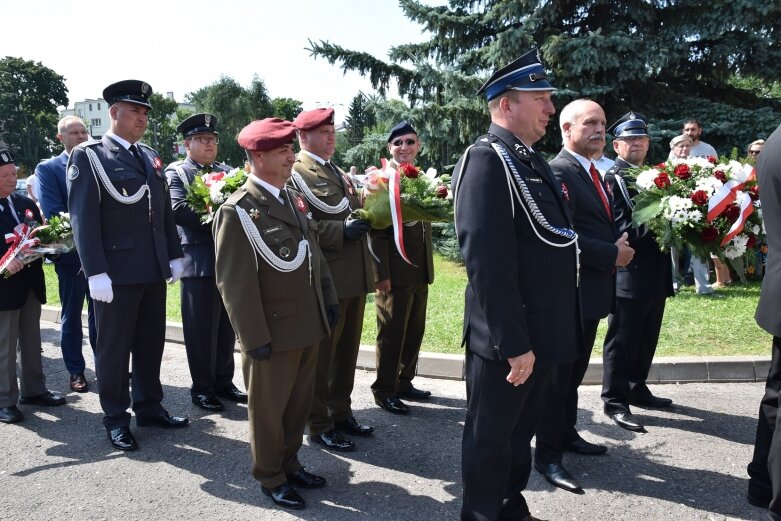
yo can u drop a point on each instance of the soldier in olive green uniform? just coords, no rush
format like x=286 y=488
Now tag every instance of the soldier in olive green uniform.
x=280 y=298
x=332 y=197
x=402 y=293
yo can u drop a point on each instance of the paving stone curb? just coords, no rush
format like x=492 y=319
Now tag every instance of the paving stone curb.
x=679 y=369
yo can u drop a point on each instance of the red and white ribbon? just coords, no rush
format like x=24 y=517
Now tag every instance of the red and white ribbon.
x=728 y=192
x=746 y=209
x=394 y=191
x=20 y=239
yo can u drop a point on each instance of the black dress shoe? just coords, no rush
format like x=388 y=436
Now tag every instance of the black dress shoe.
x=10 y=414
x=208 y=401
x=653 y=402
x=581 y=446
x=304 y=479
x=392 y=404
x=47 y=399
x=627 y=420
x=758 y=500
x=233 y=394
x=122 y=439
x=162 y=419
x=558 y=476
x=285 y=496
x=351 y=426
x=333 y=440
x=415 y=394
x=78 y=383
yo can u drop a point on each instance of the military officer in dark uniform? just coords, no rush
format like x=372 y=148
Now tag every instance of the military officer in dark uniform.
x=401 y=293
x=521 y=316
x=126 y=238
x=332 y=196
x=208 y=336
x=582 y=125
x=642 y=288
x=279 y=295
x=21 y=296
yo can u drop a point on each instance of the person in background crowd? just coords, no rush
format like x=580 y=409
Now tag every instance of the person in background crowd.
x=21 y=296
x=582 y=124
x=401 y=293
x=126 y=237
x=33 y=190
x=72 y=283
x=602 y=162
x=208 y=336
x=693 y=128
x=521 y=315
x=281 y=301
x=332 y=196
x=764 y=470
x=754 y=148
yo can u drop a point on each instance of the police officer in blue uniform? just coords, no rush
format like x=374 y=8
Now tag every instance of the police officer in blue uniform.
x=125 y=234
x=208 y=335
x=642 y=288
x=521 y=316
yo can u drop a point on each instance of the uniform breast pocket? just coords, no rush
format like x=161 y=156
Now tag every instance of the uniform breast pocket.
x=326 y=192
x=117 y=243
x=281 y=308
x=281 y=242
x=127 y=182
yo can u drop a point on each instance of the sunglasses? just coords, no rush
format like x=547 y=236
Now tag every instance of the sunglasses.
x=754 y=152
x=399 y=142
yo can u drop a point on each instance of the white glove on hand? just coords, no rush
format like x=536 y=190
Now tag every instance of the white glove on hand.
x=100 y=288
x=177 y=268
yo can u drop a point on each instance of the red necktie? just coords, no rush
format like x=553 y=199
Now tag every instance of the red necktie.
x=601 y=191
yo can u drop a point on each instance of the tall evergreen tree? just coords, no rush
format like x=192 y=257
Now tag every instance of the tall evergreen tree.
x=669 y=59
x=161 y=131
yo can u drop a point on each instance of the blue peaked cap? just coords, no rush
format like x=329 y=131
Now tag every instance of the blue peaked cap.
x=629 y=125
x=525 y=73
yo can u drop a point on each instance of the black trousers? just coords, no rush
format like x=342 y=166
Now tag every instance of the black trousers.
x=208 y=335
x=765 y=468
x=496 y=452
x=557 y=424
x=630 y=344
x=134 y=322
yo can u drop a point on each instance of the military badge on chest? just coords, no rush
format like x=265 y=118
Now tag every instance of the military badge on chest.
x=348 y=184
x=564 y=192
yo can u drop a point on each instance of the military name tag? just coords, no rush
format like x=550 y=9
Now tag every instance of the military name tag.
x=272 y=230
x=73 y=172
x=534 y=179
x=318 y=185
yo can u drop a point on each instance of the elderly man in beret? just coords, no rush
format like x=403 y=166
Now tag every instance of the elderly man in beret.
x=208 y=335
x=126 y=238
x=281 y=301
x=332 y=196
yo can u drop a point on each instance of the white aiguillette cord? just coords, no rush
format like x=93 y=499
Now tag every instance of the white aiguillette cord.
x=343 y=205
x=97 y=168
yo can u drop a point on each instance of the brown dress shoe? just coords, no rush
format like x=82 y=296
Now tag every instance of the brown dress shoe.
x=79 y=383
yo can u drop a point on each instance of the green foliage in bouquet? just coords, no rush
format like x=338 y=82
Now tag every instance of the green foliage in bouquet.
x=207 y=192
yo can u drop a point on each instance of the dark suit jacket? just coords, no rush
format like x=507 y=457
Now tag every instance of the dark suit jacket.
x=123 y=240
x=650 y=272
x=596 y=236
x=15 y=289
x=53 y=189
x=769 y=177
x=196 y=238
x=521 y=293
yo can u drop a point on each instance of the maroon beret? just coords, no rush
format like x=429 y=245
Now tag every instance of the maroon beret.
x=266 y=134
x=310 y=119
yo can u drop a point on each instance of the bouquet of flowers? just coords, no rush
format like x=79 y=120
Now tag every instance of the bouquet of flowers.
x=30 y=241
x=711 y=205
x=207 y=192
x=392 y=197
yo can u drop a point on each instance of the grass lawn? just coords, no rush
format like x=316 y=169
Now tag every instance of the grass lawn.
x=718 y=324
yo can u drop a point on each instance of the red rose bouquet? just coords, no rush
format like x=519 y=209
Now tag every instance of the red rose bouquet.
x=30 y=241
x=207 y=192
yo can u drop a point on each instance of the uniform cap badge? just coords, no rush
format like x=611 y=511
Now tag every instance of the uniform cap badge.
x=207 y=118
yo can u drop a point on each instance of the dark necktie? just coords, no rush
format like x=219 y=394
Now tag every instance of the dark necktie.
x=333 y=170
x=137 y=155
x=7 y=209
x=600 y=190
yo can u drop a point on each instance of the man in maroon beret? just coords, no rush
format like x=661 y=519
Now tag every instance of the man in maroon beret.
x=332 y=197
x=265 y=233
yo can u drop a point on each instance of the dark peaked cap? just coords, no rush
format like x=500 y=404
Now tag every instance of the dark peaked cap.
x=129 y=91
x=198 y=124
x=525 y=73
x=629 y=125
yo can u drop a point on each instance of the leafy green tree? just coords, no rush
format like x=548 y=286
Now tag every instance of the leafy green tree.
x=286 y=108
x=161 y=131
x=235 y=106
x=666 y=59
x=29 y=96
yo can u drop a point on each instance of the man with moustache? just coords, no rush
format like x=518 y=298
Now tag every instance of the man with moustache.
x=401 y=293
x=208 y=336
x=521 y=314
x=332 y=196
x=642 y=288
x=126 y=238
x=281 y=301
x=72 y=283
x=582 y=124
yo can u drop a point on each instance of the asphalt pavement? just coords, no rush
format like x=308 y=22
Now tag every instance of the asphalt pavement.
x=58 y=463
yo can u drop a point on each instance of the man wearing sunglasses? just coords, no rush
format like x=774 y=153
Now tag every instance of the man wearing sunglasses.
x=208 y=336
x=401 y=293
